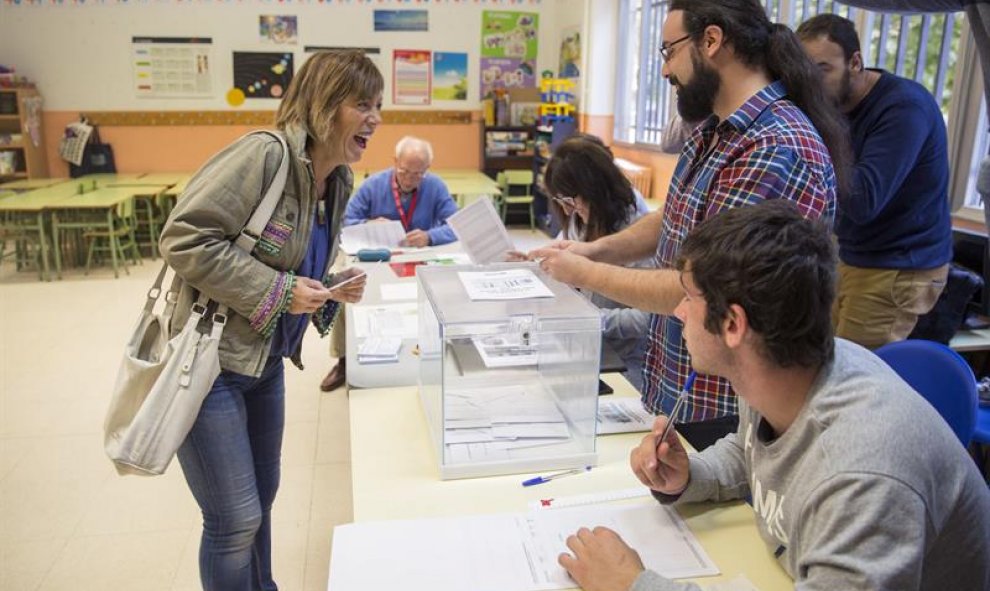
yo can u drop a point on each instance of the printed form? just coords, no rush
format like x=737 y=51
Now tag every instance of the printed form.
x=504 y=552
x=509 y=284
x=481 y=232
x=371 y=235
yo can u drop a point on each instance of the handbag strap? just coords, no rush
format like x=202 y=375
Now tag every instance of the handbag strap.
x=259 y=219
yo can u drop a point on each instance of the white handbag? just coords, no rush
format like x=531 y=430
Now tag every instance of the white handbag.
x=162 y=382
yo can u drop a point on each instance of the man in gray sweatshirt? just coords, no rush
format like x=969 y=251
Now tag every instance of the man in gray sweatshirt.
x=856 y=481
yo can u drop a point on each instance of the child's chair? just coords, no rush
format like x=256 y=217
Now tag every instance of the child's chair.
x=116 y=236
x=517 y=189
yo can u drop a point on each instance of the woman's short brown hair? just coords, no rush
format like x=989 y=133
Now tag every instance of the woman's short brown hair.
x=322 y=84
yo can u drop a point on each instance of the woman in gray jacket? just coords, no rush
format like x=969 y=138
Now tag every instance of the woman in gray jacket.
x=231 y=457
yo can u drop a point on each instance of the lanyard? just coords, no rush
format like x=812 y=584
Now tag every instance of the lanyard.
x=405 y=218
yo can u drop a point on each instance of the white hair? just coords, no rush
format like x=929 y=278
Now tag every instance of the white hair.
x=410 y=143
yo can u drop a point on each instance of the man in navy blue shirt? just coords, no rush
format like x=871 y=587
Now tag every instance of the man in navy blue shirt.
x=894 y=231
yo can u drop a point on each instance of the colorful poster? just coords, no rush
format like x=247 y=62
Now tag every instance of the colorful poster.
x=262 y=75
x=278 y=29
x=172 y=67
x=410 y=77
x=509 y=34
x=502 y=72
x=570 y=54
x=401 y=20
x=449 y=76
x=373 y=53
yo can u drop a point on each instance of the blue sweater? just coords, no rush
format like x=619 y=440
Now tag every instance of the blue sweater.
x=374 y=199
x=897 y=216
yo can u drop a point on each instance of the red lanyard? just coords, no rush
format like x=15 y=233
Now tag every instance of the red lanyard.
x=405 y=218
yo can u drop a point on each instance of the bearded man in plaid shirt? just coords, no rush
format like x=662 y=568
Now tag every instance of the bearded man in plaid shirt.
x=766 y=131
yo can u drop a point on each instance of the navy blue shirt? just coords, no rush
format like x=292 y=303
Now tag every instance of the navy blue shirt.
x=291 y=327
x=897 y=216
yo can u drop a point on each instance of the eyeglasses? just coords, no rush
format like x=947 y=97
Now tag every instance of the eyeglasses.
x=564 y=202
x=666 y=47
x=412 y=173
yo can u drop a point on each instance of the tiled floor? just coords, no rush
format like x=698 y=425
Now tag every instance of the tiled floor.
x=67 y=521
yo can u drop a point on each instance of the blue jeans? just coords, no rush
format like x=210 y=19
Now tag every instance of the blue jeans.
x=231 y=460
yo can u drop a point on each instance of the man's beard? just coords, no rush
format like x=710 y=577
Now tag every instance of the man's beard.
x=696 y=99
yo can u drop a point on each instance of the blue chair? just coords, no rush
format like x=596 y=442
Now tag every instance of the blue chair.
x=982 y=432
x=941 y=376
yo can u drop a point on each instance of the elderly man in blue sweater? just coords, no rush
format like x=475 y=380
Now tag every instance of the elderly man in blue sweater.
x=408 y=193
x=894 y=230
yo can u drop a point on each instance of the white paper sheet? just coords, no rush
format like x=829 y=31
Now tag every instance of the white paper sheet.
x=388 y=320
x=505 y=351
x=504 y=552
x=371 y=235
x=508 y=284
x=530 y=431
x=481 y=232
x=623 y=415
x=399 y=291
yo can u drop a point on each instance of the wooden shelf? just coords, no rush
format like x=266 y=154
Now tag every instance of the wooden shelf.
x=31 y=161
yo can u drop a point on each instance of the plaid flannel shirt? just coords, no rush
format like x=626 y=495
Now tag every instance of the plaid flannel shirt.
x=767 y=149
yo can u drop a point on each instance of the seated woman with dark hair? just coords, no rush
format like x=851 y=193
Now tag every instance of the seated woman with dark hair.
x=591 y=198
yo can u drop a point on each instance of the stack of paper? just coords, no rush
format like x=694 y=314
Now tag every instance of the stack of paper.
x=489 y=423
x=379 y=350
x=505 y=351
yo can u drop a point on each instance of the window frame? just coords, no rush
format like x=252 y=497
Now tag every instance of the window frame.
x=968 y=143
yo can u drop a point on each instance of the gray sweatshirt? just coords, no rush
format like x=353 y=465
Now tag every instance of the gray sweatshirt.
x=868 y=489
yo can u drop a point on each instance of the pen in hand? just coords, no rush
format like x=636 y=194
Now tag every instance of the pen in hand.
x=677 y=407
x=542 y=479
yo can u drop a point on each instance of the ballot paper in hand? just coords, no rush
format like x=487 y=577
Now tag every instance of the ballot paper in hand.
x=371 y=235
x=481 y=232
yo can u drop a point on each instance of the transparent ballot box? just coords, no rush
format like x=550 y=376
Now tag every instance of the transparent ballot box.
x=509 y=362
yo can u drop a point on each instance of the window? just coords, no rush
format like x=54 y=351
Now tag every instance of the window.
x=640 y=116
x=929 y=48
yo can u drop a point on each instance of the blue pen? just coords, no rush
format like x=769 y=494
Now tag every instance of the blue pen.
x=677 y=406
x=542 y=479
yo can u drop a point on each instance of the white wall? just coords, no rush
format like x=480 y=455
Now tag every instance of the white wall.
x=602 y=36
x=80 y=55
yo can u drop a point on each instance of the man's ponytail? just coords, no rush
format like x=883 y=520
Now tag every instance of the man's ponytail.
x=787 y=62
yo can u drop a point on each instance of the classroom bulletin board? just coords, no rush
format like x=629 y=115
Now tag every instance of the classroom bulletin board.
x=223 y=55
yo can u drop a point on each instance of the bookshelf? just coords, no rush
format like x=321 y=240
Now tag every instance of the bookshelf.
x=506 y=148
x=22 y=151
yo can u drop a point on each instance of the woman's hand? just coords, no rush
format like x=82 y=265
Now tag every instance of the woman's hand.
x=353 y=290
x=307 y=296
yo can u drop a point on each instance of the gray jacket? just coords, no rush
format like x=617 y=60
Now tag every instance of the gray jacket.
x=197 y=241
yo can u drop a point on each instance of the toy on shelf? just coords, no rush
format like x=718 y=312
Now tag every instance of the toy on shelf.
x=557 y=100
